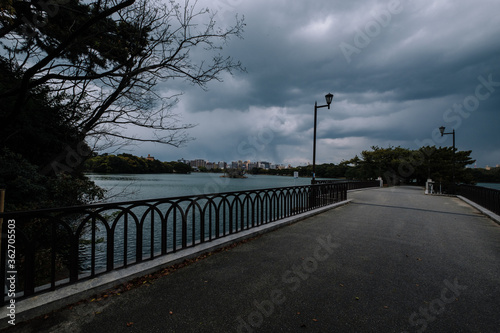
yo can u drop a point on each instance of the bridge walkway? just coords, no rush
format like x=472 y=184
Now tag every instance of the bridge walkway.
x=393 y=260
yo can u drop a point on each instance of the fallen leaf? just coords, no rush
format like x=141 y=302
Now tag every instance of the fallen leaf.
x=130 y=324
x=357 y=298
x=419 y=259
x=386 y=307
x=315 y=319
x=341 y=285
x=298 y=313
x=170 y=312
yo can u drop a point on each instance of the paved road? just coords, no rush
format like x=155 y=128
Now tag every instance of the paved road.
x=394 y=260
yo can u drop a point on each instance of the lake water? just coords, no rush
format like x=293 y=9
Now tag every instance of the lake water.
x=127 y=187
x=495 y=186
x=123 y=187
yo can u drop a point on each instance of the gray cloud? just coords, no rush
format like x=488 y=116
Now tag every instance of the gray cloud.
x=407 y=63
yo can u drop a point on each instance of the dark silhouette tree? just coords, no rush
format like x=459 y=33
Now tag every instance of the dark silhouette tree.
x=78 y=73
x=106 y=57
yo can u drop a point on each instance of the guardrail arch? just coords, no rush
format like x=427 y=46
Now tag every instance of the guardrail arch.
x=57 y=247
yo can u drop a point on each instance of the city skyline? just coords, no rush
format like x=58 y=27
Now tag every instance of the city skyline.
x=246 y=164
x=259 y=161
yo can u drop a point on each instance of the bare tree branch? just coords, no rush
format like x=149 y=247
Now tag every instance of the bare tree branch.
x=111 y=85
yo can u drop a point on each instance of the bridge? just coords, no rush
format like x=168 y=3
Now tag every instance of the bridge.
x=392 y=260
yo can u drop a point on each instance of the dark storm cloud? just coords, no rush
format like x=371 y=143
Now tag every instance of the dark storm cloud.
x=396 y=69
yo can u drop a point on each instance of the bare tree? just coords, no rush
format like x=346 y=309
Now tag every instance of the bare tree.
x=104 y=60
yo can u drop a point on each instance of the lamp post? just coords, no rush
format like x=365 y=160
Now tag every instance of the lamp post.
x=329 y=98
x=441 y=129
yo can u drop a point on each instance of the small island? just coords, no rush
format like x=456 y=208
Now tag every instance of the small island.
x=234 y=173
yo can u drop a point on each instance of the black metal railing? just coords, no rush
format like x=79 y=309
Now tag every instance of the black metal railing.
x=486 y=197
x=56 y=247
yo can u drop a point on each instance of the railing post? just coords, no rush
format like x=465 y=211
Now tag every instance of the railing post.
x=29 y=271
x=2 y=202
x=73 y=263
x=2 y=245
x=184 y=230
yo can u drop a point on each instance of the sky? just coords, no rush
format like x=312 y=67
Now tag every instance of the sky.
x=398 y=69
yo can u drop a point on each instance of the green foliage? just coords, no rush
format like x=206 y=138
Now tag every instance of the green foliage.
x=395 y=165
x=235 y=173
x=399 y=165
x=42 y=129
x=485 y=176
x=102 y=44
x=32 y=141
x=27 y=189
x=127 y=163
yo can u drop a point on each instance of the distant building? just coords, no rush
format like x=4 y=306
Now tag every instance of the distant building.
x=198 y=163
x=151 y=158
x=241 y=165
x=264 y=165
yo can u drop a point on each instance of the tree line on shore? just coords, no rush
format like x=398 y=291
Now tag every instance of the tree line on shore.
x=128 y=163
x=29 y=189
x=395 y=165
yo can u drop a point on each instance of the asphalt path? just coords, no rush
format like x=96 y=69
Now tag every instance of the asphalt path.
x=393 y=260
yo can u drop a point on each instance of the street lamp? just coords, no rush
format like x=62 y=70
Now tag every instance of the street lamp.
x=441 y=129
x=329 y=98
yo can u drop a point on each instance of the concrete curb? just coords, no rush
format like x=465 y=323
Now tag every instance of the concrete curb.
x=483 y=210
x=54 y=300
